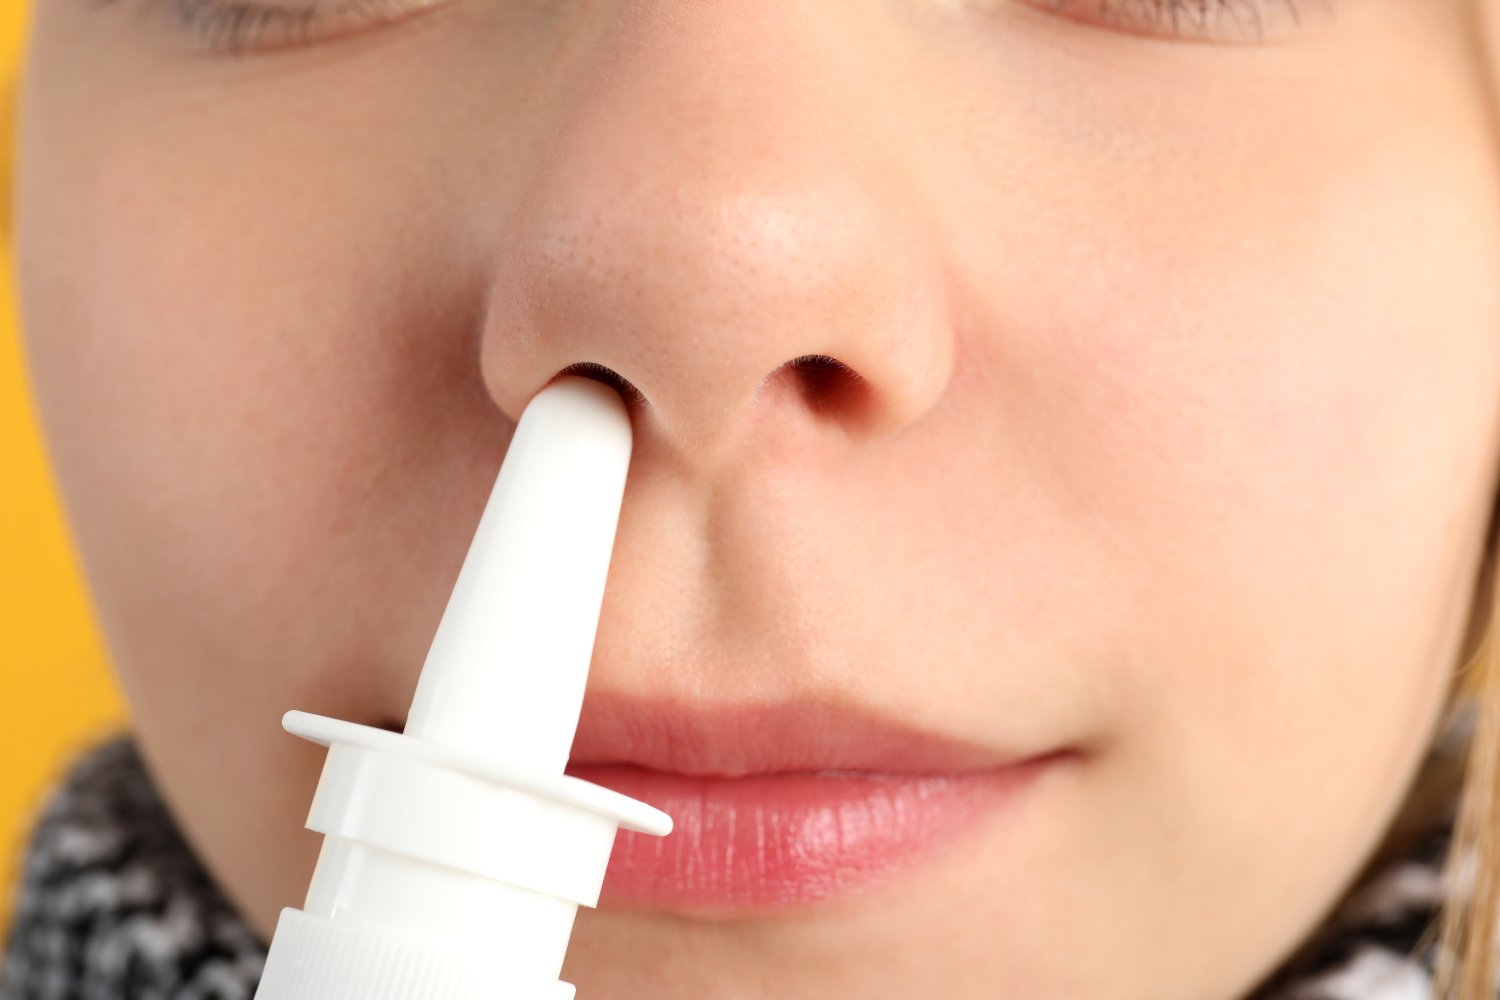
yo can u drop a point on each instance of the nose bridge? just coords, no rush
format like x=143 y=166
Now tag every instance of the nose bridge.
x=714 y=205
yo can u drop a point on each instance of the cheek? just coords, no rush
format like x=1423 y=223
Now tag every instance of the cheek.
x=1263 y=369
x=1294 y=419
x=260 y=398
x=1292 y=488
x=1266 y=360
x=242 y=372
x=241 y=398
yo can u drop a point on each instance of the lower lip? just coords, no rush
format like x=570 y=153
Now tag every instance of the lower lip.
x=784 y=840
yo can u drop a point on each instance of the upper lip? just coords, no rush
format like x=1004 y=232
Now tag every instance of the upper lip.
x=737 y=739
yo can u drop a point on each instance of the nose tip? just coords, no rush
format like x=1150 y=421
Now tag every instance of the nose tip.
x=744 y=263
x=837 y=320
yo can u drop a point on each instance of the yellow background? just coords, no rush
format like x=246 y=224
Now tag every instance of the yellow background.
x=55 y=689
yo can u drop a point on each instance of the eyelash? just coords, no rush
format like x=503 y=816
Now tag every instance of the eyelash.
x=1173 y=14
x=234 y=26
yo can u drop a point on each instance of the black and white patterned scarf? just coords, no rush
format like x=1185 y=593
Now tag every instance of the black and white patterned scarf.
x=113 y=905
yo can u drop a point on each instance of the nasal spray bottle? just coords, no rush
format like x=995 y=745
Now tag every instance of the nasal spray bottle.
x=456 y=853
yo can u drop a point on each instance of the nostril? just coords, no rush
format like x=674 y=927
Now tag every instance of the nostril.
x=824 y=380
x=607 y=375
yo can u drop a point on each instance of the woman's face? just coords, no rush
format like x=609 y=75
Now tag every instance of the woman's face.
x=1170 y=437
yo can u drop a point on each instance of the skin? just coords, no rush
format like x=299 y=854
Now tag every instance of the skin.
x=1176 y=439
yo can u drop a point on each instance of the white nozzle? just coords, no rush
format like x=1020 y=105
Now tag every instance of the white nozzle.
x=504 y=676
x=456 y=854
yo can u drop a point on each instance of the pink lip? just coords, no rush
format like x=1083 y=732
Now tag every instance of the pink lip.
x=783 y=805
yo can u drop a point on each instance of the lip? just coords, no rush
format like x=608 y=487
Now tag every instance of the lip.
x=784 y=805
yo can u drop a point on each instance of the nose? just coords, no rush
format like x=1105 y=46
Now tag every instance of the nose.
x=722 y=223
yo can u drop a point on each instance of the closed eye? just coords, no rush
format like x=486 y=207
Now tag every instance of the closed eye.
x=236 y=27
x=1200 y=20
